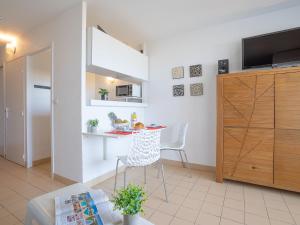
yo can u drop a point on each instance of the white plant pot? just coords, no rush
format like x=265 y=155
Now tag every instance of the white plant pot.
x=92 y=129
x=131 y=220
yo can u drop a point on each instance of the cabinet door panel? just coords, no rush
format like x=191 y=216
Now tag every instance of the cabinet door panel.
x=287 y=159
x=249 y=101
x=248 y=154
x=287 y=101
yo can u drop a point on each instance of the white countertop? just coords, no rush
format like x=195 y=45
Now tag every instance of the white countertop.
x=103 y=103
x=104 y=134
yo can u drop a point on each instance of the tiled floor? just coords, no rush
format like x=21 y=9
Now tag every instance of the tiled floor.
x=194 y=200
x=200 y=200
x=18 y=185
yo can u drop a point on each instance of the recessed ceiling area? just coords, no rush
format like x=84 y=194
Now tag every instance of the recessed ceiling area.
x=136 y=21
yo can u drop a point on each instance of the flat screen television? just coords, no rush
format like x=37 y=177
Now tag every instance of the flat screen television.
x=272 y=49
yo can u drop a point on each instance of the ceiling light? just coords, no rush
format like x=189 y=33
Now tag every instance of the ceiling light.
x=7 y=38
x=11 y=41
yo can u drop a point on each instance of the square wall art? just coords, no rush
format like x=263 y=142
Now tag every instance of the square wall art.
x=178 y=90
x=178 y=72
x=196 y=89
x=196 y=70
x=223 y=66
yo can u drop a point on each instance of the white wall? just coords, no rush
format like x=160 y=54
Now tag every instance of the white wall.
x=39 y=105
x=90 y=87
x=67 y=34
x=203 y=46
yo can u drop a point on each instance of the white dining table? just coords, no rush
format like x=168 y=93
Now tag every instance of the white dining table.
x=107 y=134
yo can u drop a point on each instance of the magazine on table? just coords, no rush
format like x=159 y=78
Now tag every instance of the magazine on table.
x=85 y=209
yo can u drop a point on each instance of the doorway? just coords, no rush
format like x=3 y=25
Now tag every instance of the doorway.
x=39 y=110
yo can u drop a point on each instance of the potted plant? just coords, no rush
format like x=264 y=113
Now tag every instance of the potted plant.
x=130 y=202
x=93 y=125
x=103 y=93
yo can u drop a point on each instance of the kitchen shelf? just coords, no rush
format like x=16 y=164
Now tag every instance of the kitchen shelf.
x=102 y=103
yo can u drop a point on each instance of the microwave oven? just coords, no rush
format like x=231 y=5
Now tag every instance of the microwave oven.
x=130 y=90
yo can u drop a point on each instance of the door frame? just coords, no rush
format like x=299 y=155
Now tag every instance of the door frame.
x=29 y=154
x=4 y=102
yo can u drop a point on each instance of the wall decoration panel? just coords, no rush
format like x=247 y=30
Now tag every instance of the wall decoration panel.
x=178 y=90
x=178 y=72
x=196 y=89
x=196 y=70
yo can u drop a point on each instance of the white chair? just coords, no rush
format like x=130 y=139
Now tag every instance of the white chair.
x=144 y=151
x=178 y=145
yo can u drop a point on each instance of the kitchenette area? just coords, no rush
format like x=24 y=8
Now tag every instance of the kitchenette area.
x=115 y=96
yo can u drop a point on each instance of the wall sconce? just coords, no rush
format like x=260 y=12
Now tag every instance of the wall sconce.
x=111 y=80
x=11 y=42
x=12 y=48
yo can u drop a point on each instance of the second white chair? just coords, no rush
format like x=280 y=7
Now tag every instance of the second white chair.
x=144 y=151
x=179 y=145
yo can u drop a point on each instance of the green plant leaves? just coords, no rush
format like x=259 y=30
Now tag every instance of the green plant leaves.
x=129 y=200
x=93 y=123
x=103 y=91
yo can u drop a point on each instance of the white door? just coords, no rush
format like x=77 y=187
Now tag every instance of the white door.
x=15 y=110
x=2 y=113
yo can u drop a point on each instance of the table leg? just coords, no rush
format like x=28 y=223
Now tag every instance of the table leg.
x=104 y=148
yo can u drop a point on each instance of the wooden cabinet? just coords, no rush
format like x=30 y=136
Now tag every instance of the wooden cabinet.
x=248 y=154
x=288 y=101
x=287 y=159
x=258 y=140
x=248 y=128
x=287 y=134
x=249 y=101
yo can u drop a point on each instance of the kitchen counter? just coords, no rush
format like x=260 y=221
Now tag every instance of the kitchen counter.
x=117 y=104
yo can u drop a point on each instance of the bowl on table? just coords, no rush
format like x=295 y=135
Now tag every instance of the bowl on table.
x=121 y=126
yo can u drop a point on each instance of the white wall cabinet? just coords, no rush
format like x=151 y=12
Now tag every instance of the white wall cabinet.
x=108 y=56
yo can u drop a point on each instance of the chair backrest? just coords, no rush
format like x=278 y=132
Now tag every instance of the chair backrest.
x=182 y=134
x=145 y=148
